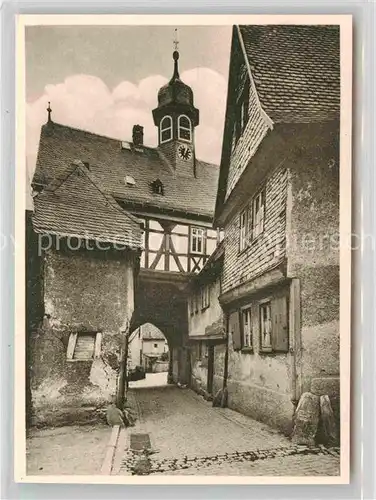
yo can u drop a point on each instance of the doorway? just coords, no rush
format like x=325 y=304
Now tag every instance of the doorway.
x=210 y=369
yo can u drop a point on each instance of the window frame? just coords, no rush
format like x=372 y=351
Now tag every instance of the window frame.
x=241 y=112
x=205 y=297
x=261 y=305
x=164 y=129
x=261 y=219
x=181 y=127
x=243 y=238
x=193 y=237
x=249 y=311
x=72 y=341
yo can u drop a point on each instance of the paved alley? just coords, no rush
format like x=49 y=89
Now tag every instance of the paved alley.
x=178 y=432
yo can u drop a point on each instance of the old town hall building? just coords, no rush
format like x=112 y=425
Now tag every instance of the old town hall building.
x=254 y=315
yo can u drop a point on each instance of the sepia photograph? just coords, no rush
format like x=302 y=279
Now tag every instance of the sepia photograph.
x=186 y=263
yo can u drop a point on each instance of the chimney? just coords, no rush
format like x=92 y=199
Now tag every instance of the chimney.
x=138 y=135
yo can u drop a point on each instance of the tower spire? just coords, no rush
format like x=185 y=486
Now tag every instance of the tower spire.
x=175 y=57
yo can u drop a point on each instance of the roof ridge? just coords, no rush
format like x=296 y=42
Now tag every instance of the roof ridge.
x=150 y=148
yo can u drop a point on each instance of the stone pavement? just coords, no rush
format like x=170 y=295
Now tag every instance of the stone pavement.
x=179 y=433
x=67 y=450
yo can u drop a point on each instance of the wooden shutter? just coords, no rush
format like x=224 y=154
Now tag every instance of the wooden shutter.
x=85 y=346
x=234 y=329
x=280 y=329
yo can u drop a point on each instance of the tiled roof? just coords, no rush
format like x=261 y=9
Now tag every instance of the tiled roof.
x=109 y=164
x=151 y=332
x=78 y=208
x=296 y=70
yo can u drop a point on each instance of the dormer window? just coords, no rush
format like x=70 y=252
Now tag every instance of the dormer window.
x=184 y=128
x=165 y=130
x=157 y=187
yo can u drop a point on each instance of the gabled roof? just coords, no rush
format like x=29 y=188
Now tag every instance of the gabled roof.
x=296 y=70
x=109 y=164
x=295 y=73
x=151 y=332
x=78 y=208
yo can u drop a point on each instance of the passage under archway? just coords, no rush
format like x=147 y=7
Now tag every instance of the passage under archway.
x=148 y=352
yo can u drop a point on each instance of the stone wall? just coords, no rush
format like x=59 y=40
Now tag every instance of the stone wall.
x=83 y=292
x=313 y=257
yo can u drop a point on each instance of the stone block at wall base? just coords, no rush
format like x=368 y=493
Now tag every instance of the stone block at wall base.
x=328 y=386
x=68 y=415
x=262 y=404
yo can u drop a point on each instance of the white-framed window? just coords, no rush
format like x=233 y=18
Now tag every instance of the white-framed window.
x=241 y=112
x=243 y=229
x=84 y=346
x=247 y=328
x=258 y=214
x=197 y=240
x=266 y=325
x=165 y=129
x=184 y=128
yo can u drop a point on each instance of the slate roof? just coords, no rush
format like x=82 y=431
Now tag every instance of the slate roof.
x=296 y=70
x=77 y=207
x=109 y=164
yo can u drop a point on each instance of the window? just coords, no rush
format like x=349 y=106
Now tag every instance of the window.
x=241 y=112
x=266 y=326
x=184 y=128
x=247 y=328
x=157 y=187
x=83 y=346
x=258 y=214
x=243 y=230
x=196 y=302
x=165 y=130
x=197 y=240
x=192 y=305
x=155 y=346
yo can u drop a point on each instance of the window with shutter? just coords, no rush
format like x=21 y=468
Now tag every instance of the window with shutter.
x=246 y=326
x=234 y=330
x=83 y=346
x=266 y=331
x=280 y=337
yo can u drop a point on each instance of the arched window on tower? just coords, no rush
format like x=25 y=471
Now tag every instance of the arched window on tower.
x=165 y=129
x=184 y=128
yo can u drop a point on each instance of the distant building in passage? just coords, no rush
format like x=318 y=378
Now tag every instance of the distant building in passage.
x=278 y=203
x=148 y=348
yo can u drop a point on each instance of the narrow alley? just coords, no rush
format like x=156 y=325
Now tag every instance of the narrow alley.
x=178 y=432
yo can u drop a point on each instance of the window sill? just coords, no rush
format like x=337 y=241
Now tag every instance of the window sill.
x=247 y=350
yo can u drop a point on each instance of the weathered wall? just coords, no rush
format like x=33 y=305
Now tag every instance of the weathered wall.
x=148 y=346
x=268 y=249
x=83 y=292
x=259 y=383
x=313 y=257
x=204 y=321
x=199 y=363
x=256 y=127
x=134 y=348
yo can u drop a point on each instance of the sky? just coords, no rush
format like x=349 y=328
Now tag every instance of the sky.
x=105 y=79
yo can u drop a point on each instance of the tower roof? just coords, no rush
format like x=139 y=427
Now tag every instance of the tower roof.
x=176 y=94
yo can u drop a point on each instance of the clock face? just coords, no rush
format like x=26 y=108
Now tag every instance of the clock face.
x=185 y=153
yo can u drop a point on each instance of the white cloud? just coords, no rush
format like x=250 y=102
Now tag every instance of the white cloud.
x=85 y=101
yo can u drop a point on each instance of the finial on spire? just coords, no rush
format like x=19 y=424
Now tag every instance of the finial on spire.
x=49 y=111
x=175 y=56
x=176 y=41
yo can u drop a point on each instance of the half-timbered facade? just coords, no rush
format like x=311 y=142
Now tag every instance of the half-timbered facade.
x=168 y=189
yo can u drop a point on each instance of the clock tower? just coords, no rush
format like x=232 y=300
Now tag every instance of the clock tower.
x=176 y=119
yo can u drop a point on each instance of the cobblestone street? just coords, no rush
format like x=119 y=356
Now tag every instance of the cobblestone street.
x=179 y=433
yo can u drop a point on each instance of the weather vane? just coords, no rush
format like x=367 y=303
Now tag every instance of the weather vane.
x=176 y=41
x=49 y=111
